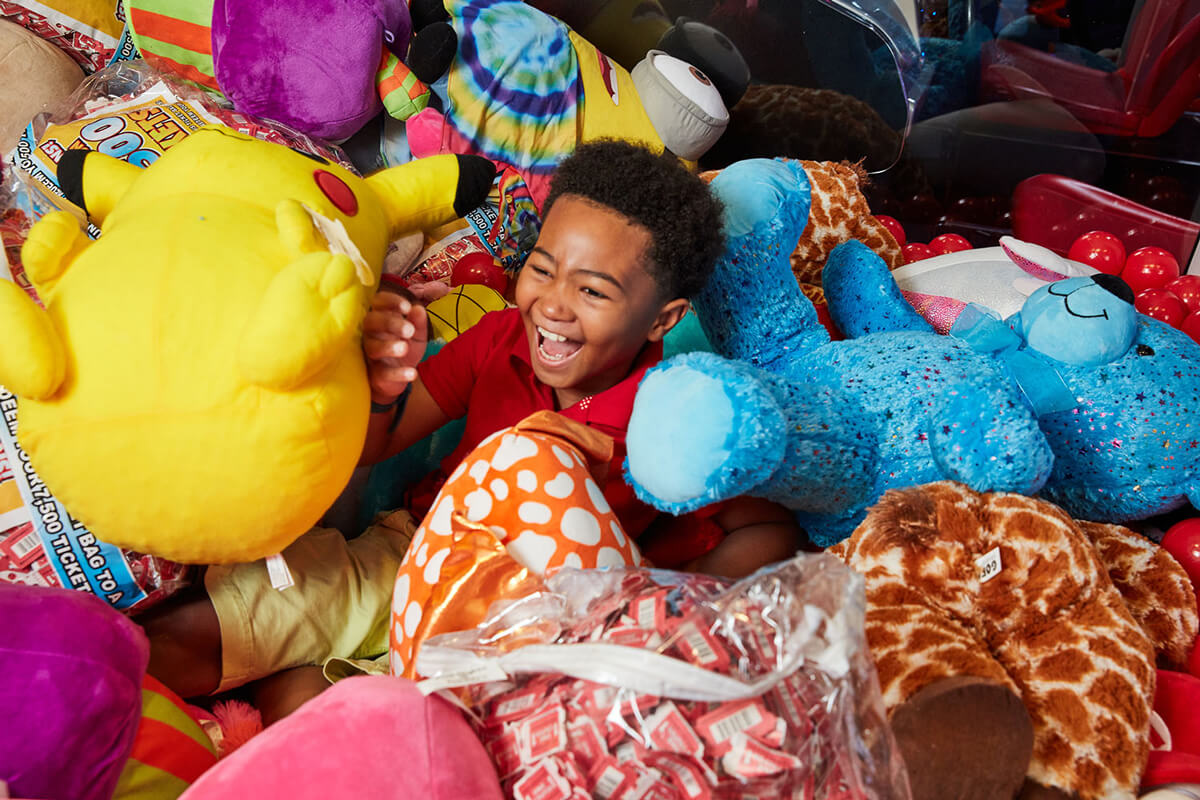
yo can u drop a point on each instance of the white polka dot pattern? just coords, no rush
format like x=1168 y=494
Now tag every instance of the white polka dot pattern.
x=533 y=492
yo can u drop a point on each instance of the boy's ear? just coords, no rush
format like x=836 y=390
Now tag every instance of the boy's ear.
x=668 y=317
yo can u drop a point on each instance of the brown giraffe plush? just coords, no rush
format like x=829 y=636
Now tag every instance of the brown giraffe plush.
x=1010 y=662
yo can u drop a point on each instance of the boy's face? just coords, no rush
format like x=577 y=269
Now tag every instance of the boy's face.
x=587 y=301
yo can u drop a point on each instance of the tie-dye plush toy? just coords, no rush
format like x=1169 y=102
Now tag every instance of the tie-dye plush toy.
x=520 y=87
x=1077 y=396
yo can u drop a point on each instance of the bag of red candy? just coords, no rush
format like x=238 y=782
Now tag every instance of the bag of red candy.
x=642 y=684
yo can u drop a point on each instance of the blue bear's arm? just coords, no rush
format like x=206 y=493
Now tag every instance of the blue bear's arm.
x=706 y=429
x=983 y=435
x=752 y=309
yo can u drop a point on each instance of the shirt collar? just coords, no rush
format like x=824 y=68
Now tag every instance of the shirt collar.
x=613 y=407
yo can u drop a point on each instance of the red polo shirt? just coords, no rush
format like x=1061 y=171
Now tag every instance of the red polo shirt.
x=486 y=374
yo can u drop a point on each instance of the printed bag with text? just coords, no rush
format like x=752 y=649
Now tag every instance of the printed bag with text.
x=133 y=112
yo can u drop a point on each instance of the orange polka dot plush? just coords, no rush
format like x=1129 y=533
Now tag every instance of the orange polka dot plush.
x=524 y=502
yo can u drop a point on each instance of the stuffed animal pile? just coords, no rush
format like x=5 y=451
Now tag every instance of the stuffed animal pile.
x=190 y=384
x=489 y=53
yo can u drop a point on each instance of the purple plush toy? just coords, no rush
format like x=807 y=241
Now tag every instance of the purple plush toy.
x=315 y=65
x=70 y=695
x=310 y=64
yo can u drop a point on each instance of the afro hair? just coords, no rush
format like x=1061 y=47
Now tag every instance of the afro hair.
x=658 y=193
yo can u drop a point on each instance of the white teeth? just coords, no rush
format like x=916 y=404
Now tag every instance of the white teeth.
x=554 y=337
x=549 y=357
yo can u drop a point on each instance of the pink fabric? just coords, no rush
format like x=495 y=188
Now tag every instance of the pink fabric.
x=369 y=738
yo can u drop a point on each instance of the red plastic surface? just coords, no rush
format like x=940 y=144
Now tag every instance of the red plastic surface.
x=1157 y=81
x=1053 y=210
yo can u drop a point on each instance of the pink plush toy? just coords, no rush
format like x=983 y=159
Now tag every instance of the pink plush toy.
x=366 y=737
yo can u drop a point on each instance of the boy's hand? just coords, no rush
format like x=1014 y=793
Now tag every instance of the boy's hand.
x=395 y=332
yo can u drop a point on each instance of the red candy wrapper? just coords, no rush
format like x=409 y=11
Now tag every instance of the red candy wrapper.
x=655 y=685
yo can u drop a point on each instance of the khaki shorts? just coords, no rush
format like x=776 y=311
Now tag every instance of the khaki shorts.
x=339 y=607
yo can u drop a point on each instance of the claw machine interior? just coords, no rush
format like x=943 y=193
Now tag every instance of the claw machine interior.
x=1043 y=119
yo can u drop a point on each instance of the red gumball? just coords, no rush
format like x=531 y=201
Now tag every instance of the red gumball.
x=894 y=228
x=1149 y=268
x=1162 y=305
x=1182 y=541
x=481 y=268
x=948 y=243
x=1191 y=326
x=1100 y=250
x=1187 y=289
x=915 y=251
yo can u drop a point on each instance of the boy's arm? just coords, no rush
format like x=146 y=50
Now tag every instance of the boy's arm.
x=758 y=532
x=421 y=416
x=395 y=333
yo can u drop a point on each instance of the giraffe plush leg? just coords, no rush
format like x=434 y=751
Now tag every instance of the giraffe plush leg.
x=1084 y=667
x=955 y=713
x=1156 y=590
x=1019 y=575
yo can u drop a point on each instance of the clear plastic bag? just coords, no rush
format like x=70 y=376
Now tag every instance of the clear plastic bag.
x=635 y=683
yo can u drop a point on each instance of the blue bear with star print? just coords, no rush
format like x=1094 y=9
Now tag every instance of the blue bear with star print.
x=1077 y=397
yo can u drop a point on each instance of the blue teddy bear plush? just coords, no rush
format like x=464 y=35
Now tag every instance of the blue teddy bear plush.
x=1077 y=396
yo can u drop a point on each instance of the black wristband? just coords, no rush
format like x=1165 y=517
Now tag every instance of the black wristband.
x=379 y=408
x=398 y=404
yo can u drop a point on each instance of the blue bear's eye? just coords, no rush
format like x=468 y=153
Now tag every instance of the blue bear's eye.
x=1145 y=350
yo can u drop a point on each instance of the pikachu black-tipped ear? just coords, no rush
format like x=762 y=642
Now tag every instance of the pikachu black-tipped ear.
x=94 y=181
x=429 y=192
x=475 y=176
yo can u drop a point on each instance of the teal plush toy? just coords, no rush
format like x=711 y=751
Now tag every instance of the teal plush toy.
x=1077 y=396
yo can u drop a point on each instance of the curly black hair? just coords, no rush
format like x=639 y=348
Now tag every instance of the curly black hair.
x=658 y=193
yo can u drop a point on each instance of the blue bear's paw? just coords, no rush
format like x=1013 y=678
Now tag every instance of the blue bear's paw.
x=701 y=432
x=989 y=440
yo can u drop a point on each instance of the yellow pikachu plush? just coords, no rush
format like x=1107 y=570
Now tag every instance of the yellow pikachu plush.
x=195 y=386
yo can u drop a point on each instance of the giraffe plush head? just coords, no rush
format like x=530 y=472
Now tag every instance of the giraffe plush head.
x=193 y=386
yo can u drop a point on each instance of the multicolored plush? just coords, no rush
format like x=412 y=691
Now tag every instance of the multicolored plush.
x=523 y=89
x=170 y=750
x=1009 y=661
x=195 y=386
x=1078 y=396
x=525 y=501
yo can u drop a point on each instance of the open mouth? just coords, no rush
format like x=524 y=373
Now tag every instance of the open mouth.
x=554 y=348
